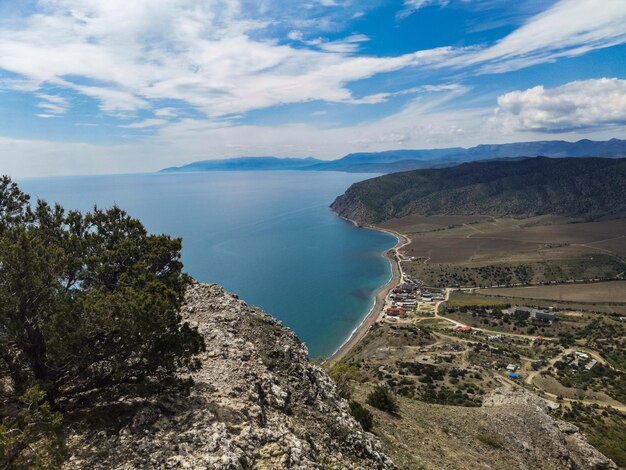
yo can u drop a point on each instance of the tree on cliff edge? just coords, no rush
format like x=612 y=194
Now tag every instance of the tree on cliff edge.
x=89 y=303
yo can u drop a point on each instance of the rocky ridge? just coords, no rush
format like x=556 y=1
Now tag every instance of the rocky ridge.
x=524 y=421
x=256 y=403
x=513 y=429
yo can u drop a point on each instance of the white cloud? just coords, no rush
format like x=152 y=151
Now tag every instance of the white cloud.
x=127 y=55
x=53 y=105
x=586 y=104
x=162 y=58
x=421 y=124
x=568 y=28
x=166 y=112
x=411 y=6
x=295 y=35
x=146 y=123
x=342 y=46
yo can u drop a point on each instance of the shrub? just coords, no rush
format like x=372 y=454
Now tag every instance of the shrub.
x=382 y=398
x=492 y=440
x=90 y=309
x=89 y=302
x=362 y=415
x=343 y=375
x=30 y=437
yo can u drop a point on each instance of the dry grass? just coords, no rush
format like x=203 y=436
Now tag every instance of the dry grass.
x=460 y=299
x=461 y=239
x=459 y=250
x=553 y=386
x=613 y=292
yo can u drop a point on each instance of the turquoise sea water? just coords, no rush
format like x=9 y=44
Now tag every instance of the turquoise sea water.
x=267 y=236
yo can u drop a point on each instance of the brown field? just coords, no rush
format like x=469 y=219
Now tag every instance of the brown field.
x=459 y=299
x=463 y=250
x=453 y=239
x=615 y=245
x=420 y=223
x=453 y=249
x=613 y=292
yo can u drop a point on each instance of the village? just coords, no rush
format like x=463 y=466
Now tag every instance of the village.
x=411 y=298
x=515 y=356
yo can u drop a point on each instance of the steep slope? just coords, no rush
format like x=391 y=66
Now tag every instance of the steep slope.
x=577 y=187
x=512 y=429
x=256 y=402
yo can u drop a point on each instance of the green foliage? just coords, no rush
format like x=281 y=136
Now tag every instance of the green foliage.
x=566 y=339
x=89 y=302
x=600 y=378
x=362 y=415
x=30 y=436
x=533 y=186
x=383 y=399
x=604 y=427
x=344 y=375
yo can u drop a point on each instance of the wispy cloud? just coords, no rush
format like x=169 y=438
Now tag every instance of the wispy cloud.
x=412 y=6
x=146 y=123
x=567 y=29
x=183 y=76
x=129 y=55
x=52 y=105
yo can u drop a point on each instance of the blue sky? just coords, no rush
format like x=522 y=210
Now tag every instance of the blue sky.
x=88 y=86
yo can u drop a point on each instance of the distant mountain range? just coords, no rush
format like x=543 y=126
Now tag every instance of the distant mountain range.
x=246 y=164
x=403 y=160
x=576 y=187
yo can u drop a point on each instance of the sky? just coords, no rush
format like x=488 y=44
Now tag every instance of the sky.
x=118 y=86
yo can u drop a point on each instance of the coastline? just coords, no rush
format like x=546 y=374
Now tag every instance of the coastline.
x=379 y=298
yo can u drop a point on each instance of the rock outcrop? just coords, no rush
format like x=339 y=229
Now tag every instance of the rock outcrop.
x=257 y=402
x=514 y=429
x=526 y=424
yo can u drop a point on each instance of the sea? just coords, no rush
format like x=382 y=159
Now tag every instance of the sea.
x=268 y=237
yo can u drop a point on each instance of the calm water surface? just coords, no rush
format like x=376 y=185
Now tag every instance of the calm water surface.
x=267 y=236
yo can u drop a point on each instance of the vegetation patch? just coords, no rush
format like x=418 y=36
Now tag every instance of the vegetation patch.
x=605 y=428
x=382 y=398
x=89 y=303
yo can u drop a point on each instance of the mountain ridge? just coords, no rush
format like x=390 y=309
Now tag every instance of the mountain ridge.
x=255 y=402
x=392 y=161
x=245 y=164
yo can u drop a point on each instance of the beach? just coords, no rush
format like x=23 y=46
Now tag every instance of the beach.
x=379 y=303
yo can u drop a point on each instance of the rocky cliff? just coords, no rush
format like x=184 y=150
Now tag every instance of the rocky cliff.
x=256 y=402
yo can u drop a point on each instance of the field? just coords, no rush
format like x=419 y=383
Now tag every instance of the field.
x=489 y=252
x=480 y=299
x=608 y=292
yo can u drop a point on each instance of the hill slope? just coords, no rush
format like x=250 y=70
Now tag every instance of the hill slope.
x=580 y=187
x=256 y=402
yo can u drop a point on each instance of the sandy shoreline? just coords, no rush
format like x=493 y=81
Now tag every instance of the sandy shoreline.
x=379 y=303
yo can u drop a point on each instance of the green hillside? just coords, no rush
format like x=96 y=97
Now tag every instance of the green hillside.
x=576 y=187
